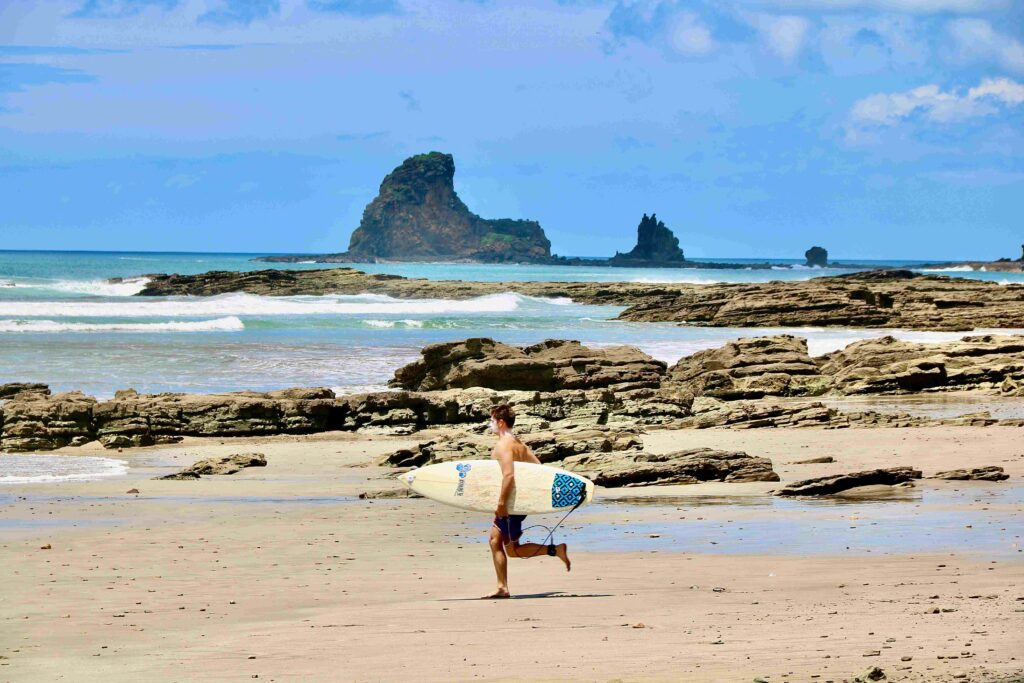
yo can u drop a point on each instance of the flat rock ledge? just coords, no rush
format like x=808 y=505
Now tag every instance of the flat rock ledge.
x=989 y=473
x=837 y=483
x=882 y=298
x=230 y=464
x=691 y=466
x=766 y=414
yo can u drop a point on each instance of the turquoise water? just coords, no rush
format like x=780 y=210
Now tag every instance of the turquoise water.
x=62 y=323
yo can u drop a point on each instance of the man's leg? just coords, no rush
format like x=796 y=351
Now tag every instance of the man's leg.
x=500 y=563
x=525 y=551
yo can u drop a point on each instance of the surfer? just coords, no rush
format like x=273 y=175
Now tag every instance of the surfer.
x=507 y=529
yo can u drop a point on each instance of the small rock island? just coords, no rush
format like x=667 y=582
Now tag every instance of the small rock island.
x=656 y=245
x=816 y=257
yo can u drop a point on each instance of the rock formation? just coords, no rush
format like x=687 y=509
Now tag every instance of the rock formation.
x=816 y=257
x=12 y=389
x=680 y=467
x=417 y=215
x=887 y=365
x=655 y=245
x=751 y=368
x=989 y=473
x=39 y=422
x=897 y=299
x=551 y=365
x=887 y=298
x=823 y=486
x=757 y=367
x=230 y=464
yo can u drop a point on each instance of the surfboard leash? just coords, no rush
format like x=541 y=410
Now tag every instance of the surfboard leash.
x=548 y=541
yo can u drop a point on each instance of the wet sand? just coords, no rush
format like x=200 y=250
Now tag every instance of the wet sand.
x=282 y=573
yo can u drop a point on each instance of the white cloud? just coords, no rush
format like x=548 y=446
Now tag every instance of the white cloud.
x=1003 y=89
x=689 y=36
x=783 y=35
x=938 y=106
x=907 y=6
x=976 y=39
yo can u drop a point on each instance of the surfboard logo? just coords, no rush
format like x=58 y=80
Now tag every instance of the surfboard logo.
x=462 y=469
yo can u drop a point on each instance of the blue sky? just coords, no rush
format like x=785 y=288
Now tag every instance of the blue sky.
x=876 y=128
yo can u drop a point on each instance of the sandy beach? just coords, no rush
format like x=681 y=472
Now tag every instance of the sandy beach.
x=282 y=573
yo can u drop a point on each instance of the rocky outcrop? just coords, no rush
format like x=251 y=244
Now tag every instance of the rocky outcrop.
x=751 y=368
x=656 y=245
x=759 y=367
x=816 y=257
x=417 y=215
x=893 y=298
x=230 y=464
x=990 y=473
x=680 y=467
x=888 y=365
x=551 y=365
x=710 y=414
x=890 y=298
x=823 y=486
x=12 y=389
x=38 y=421
x=243 y=413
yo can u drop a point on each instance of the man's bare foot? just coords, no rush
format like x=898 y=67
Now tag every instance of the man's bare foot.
x=499 y=594
x=562 y=552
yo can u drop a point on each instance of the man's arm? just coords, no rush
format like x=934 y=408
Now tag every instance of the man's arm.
x=508 y=478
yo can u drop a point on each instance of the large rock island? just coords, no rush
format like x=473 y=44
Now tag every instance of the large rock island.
x=418 y=216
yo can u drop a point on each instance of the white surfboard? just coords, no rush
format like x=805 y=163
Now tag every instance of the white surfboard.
x=475 y=485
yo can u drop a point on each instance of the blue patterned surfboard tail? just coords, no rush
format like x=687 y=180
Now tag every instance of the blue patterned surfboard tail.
x=567 y=491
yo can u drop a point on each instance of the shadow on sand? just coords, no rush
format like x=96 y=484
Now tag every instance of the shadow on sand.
x=535 y=596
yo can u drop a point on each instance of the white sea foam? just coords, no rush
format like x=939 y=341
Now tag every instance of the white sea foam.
x=254 y=305
x=950 y=269
x=128 y=287
x=37 y=469
x=676 y=281
x=226 y=324
x=393 y=323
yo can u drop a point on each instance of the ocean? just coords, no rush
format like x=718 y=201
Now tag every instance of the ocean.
x=63 y=324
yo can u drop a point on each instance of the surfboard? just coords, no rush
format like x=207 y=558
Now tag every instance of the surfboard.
x=475 y=485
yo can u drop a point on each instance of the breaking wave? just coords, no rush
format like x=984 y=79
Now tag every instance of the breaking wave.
x=256 y=305
x=227 y=324
x=34 y=469
x=393 y=323
x=128 y=287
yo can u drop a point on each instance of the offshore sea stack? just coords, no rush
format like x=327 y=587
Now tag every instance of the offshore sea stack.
x=655 y=245
x=816 y=257
x=418 y=216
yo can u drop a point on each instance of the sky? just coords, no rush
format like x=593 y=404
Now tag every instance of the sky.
x=753 y=128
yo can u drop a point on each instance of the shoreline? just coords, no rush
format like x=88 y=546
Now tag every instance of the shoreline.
x=276 y=572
